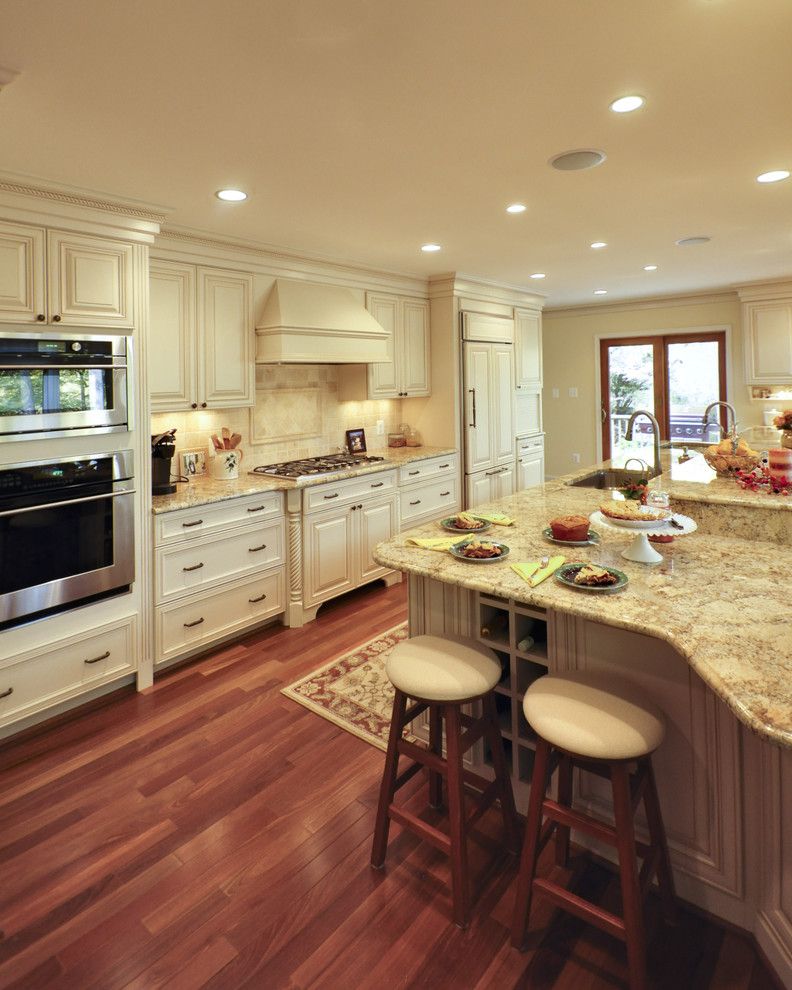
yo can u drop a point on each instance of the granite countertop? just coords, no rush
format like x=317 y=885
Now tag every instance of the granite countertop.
x=722 y=602
x=203 y=489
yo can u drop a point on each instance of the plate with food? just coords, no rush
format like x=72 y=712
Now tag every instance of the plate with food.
x=591 y=577
x=573 y=530
x=465 y=522
x=480 y=551
x=633 y=515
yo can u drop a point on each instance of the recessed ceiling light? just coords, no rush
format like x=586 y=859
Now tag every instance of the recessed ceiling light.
x=599 y=244
x=777 y=175
x=538 y=275
x=430 y=247
x=231 y=195
x=650 y=268
x=626 y=104
x=516 y=208
x=600 y=292
x=690 y=241
x=575 y=161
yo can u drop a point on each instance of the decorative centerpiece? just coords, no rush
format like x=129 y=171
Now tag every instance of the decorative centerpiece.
x=731 y=455
x=774 y=478
x=783 y=422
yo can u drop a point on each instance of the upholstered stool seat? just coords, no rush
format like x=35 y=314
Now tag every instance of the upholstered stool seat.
x=441 y=675
x=602 y=725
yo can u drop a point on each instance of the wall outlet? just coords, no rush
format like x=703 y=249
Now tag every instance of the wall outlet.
x=556 y=393
x=573 y=392
x=380 y=427
x=576 y=458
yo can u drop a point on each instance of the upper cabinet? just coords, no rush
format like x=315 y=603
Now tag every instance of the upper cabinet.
x=201 y=337
x=527 y=349
x=70 y=279
x=407 y=322
x=767 y=326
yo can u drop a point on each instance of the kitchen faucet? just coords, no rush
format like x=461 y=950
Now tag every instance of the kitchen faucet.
x=706 y=421
x=629 y=435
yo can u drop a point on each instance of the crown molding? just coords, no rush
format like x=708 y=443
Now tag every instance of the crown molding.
x=484 y=290
x=647 y=302
x=777 y=288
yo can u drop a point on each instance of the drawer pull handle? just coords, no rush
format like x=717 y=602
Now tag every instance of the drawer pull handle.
x=256 y=549
x=258 y=508
x=416 y=502
x=442 y=466
x=5 y=694
x=189 y=625
x=379 y=484
x=195 y=567
x=413 y=472
x=443 y=494
x=254 y=601
x=197 y=522
x=104 y=656
x=334 y=495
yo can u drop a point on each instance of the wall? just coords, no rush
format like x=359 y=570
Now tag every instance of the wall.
x=570 y=347
x=297 y=414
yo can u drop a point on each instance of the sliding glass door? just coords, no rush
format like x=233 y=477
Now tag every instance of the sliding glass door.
x=674 y=376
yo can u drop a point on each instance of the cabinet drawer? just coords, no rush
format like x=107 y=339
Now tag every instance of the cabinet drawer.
x=185 y=626
x=185 y=568
x=436 y=498
x=188 y=524
x=535 y=445
x=348 y=490
x=70 y=667
x=433 y=467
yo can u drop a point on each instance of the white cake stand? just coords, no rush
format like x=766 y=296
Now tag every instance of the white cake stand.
x=641 y=550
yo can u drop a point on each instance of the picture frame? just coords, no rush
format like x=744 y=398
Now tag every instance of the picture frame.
x=356 y=441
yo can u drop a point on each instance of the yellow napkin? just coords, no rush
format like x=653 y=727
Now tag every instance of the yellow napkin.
x=497 y=518
x=532 y=573
x=433 y=542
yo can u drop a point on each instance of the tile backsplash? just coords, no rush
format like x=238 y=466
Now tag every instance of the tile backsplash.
x=297 y=414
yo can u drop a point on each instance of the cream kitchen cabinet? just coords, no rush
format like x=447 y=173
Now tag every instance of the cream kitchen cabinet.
x=49 y=276
x=407 y=322
x=202 y=334
x=489 y=433
x=488 y=486
x=428 y=490
x=527 y=349
x=338 y=545
x=767 y=327
x=530 y=463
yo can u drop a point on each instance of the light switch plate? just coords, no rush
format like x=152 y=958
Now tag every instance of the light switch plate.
x=193 y=462
x=573 y=392
x=556 y=393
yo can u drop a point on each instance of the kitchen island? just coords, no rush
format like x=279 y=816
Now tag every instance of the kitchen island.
x=707 y=632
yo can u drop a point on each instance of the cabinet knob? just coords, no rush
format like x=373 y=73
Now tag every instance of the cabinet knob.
x=203 y=405
x=56 y=318
x=41 y=317
x=194 y=405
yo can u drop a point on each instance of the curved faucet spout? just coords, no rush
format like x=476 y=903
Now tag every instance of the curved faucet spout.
x=708 y=422
x=656 y=428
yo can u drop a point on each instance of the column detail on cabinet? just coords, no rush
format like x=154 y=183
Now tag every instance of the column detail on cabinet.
x=294 y=537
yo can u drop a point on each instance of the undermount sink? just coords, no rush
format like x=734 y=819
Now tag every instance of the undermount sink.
x=612 y=478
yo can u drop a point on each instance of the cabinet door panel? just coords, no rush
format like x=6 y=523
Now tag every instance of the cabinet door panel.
x=225 y=338
x=479 y=490
x=172 y=373
x=503 y=483
x=328 y=555
x=527 y=349
x=415 y=373
x=90 y=280
x=377 y=521
x=21 y=273
x=478 y=421
x=530 y=471
x=502 y=403
x=383 y=379
x=769 y=342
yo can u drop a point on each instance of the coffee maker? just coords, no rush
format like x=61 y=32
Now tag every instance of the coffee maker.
x=163 y=446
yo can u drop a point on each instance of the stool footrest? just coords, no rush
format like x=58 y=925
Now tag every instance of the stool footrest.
x=422 y=757
x=482 y=803
x=408 y=774
x=575 y=819
x=413 y=712
x=426 y=831
x=584 y=909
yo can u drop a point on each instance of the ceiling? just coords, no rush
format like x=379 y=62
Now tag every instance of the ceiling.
x=362 y=129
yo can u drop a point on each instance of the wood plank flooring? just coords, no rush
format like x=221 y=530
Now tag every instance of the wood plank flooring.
x=211 y=833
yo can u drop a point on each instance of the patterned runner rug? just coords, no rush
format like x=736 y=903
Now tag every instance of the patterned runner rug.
x=353 y=690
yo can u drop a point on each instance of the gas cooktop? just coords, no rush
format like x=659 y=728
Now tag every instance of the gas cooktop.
x=316 y=465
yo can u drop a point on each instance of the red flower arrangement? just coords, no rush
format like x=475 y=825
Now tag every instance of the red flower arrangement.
x=760 y=480
x=784 y=421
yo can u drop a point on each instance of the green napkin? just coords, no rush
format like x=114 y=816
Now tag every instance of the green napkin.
x=498 y=518
x=433 y=542
x=534 y=573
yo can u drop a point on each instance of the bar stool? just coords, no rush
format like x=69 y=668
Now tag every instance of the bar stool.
x=442 y=674
x=601 y=725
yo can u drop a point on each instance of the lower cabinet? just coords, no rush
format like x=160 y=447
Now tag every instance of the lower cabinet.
x=338 y=546
x=428 y=489
x=490 y=485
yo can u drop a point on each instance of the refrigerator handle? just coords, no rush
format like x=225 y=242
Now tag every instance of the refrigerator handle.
x=473 y=393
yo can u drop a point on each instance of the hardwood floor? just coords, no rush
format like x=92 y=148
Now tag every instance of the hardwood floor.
x=212 y=833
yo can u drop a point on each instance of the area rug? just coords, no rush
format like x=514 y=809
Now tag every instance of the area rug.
x=353 y=690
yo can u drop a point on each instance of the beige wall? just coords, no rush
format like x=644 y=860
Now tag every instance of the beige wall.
x=570 y=345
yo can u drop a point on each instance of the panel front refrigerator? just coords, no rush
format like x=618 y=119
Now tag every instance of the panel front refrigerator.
x=489 y=421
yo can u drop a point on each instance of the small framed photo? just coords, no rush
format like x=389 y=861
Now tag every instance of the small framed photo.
x=356 y=441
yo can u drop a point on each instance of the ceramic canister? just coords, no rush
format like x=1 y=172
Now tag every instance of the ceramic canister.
x=780 y=465
x=225 y=464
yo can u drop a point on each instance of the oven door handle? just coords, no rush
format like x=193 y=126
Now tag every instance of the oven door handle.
x=71 y=501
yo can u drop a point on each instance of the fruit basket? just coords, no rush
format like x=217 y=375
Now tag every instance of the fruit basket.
x=725 y=461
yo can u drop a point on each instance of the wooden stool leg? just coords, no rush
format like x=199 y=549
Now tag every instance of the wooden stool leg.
x=388 y=786
x=533 y=825
x=435 y=746
x=565 y=798
x=456 y=816
x=628 y=869
x=502 y=775
x=665 y=877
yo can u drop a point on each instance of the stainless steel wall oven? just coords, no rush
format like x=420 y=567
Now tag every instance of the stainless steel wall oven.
x=66 y=533
x=54 y=384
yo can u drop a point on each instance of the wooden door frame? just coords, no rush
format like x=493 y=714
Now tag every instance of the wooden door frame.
x=659 y=341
